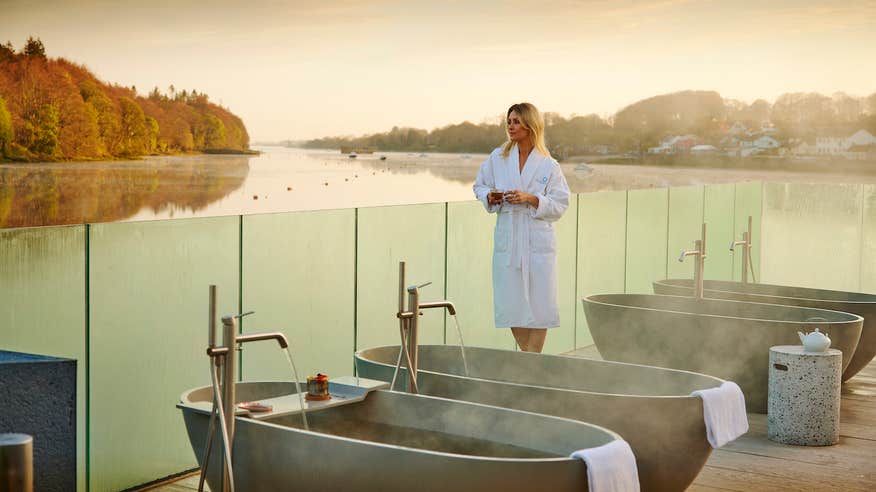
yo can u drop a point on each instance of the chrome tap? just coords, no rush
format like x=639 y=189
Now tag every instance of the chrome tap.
x=225 y=359
x=409 y=324
x=699 y=252
x=746 y=251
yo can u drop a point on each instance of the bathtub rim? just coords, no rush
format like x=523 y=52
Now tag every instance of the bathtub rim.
x=188 y=407
x=720 y=381
x=678 y=283
x=854 y=317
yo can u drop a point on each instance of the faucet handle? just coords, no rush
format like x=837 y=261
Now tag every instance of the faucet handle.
x=227 y=319
x=413 y=288
x=681 y=257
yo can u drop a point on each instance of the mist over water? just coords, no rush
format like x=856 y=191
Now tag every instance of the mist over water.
x=285 y=179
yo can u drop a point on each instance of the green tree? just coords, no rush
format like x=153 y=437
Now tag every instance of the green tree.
x=107 y=119
x=34 y=48
x=6 y=131
x=134 y=129
x=214 y=132
x=45 y=131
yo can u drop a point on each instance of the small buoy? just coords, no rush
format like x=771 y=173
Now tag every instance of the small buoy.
x=374 y=174
x=255 y=197
x=355 y=175
x=326 y=183
x=346 y=179
x=288 y=188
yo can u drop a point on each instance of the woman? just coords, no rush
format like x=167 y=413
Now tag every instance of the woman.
x=525 y=187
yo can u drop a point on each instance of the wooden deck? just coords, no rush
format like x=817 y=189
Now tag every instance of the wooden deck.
x=754 y=463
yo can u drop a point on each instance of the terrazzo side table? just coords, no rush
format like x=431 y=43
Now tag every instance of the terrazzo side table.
x=804 y=396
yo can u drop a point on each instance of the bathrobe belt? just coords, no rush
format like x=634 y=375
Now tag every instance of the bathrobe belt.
x=521 y=221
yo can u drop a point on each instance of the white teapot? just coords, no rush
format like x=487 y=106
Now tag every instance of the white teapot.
x=814 y=341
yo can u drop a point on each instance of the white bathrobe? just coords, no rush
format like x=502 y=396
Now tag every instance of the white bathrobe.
x=524 y=245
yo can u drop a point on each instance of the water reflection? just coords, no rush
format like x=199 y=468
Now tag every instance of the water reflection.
x=75 y=193
x=284 y=180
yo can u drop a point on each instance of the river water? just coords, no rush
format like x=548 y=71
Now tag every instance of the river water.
x=285 y=179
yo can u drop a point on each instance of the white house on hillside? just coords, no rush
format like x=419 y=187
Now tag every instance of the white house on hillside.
x=861 y=137
x=839 y=146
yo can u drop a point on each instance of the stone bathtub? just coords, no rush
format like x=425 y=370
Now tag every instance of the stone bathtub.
x=727 y=339
x=863 y=305
x=651 y=408
x=368 y=439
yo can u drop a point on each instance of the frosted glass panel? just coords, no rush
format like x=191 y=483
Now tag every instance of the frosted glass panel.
x=812 y=235
x=415 y=234
x=298 y=277
x=868 y=244
x=685 y=227
x=601 y=251
x=719 y=217
x=749 y=202
x=42 y=304
x=646 y=239
x=470 y=277
x=562 y=339
x=149 y=293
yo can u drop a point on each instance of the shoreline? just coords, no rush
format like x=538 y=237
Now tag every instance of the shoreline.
x=250 y=152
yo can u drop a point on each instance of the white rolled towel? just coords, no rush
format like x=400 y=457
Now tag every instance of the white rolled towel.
x=724 y=413
x=610 y=467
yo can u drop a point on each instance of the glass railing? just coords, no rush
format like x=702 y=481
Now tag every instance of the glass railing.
x=129 y=300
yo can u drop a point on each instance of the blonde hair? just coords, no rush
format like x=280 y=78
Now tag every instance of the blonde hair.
x=532 y=121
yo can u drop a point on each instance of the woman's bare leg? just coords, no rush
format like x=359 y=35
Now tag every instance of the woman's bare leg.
x=521 y=335
x=530 y=339
x=536 y=339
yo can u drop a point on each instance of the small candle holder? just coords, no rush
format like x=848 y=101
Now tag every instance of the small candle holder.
x=317 y=388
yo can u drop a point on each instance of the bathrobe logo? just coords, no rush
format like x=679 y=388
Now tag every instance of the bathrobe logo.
x=544 y=179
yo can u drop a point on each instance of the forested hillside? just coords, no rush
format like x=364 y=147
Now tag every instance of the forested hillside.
x=643 y=124
x=54 y=109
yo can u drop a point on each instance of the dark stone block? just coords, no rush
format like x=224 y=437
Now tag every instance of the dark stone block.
x=39 y=399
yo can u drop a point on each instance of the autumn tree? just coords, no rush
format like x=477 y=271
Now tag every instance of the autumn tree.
x=6 y=132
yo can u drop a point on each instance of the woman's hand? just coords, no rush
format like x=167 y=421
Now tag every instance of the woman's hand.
x=518 y=197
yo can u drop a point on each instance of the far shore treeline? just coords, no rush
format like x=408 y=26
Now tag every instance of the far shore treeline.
x=800 y=116
x=53 y=109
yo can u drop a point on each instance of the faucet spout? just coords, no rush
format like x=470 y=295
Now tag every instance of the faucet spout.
x=440 y=304
x=256 y=337
x=687 y=253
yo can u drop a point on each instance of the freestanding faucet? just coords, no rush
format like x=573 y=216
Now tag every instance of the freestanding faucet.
x=409 y=324
x=225 y=360
x=700 y=252
x=746 y=252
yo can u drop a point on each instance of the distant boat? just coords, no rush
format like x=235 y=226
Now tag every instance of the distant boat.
x=352 y=155
x=423 y=155
x=383 y=158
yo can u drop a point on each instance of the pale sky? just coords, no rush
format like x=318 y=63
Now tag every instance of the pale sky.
x=294 y=69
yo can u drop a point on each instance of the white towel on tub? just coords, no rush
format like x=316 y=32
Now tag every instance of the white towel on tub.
x=610 y=467
x=724 y=413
